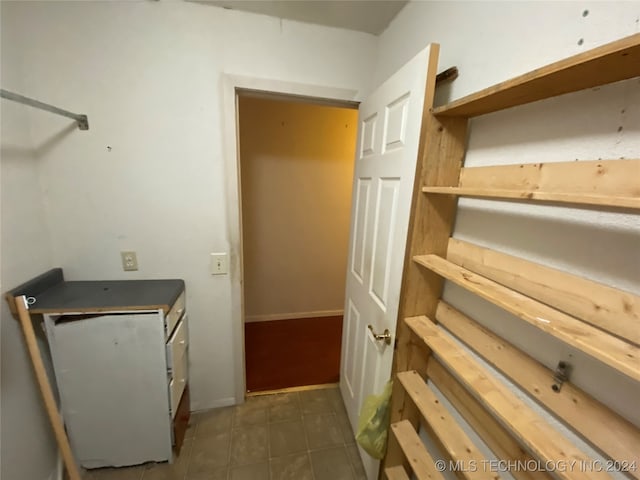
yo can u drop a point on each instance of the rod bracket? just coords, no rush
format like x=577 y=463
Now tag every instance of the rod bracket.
x=561 y=375
x=83 y=122
x=449 y=75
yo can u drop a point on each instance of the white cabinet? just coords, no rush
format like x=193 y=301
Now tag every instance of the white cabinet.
x=121 y=375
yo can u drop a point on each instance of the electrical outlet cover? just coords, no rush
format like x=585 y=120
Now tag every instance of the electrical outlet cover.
x=129 y=261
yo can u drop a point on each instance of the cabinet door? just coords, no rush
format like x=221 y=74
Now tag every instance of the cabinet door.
x=111 y=372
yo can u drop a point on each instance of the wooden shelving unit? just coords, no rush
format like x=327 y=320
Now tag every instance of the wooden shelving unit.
x=596 y=319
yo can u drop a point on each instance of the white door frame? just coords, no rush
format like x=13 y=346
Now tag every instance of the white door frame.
x=231 y=84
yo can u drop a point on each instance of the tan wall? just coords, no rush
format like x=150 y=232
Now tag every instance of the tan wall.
x=296 y=169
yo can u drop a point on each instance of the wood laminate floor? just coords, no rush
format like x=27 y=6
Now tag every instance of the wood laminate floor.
x=292 y=353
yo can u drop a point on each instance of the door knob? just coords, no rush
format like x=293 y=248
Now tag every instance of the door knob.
x=386 y=335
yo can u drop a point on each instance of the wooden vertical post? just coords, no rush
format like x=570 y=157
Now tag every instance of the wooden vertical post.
x=440 y=158
x=45 y=389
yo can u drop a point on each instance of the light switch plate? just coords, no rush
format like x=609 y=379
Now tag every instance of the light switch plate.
x=219 y=263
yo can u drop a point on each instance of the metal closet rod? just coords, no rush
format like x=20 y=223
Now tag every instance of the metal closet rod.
x=82 y=120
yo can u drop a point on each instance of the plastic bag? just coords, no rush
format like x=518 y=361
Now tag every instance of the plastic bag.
x=373 y=424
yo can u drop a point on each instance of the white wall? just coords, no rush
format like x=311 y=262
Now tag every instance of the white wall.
x=297 y=163
x=491 y=42
x=27 y=449
x=149 y=76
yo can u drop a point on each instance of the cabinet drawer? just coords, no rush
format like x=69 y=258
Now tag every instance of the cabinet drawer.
x=177 y=384
x=177 y=344
x=174 y=314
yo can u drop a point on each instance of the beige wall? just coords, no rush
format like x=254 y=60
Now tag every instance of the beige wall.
x=296 y=169
x=150 y=77
x=27 y=446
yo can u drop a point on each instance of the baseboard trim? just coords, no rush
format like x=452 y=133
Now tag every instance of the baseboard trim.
x=222 y=402
x=289 y=316
x=303 y=388
x=58 y=471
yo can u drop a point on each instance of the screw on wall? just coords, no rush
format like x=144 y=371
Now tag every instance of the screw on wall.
x=581 y=41
x=560 y=376
x=585 y=13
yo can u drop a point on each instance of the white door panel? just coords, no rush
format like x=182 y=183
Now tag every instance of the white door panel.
x=350 y=357
x=384 y=227
x=361 y=214
x=395 y=123
x=368 y=128
x=388 y=140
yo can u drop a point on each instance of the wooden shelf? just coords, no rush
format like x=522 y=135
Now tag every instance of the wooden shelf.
x=605 y=307
x=496 y=436
x=414 y=451
x=396 y=473
x=616 y=437
x=602 y=200
x=615 y=61
x=449 y=434
x=608 y=183
x=618 y=354
x=528 y=426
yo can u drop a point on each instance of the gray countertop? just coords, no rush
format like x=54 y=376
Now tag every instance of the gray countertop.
x=54 y=295
x=108 y=295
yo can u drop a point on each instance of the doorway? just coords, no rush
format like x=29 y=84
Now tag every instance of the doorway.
x=296 y=159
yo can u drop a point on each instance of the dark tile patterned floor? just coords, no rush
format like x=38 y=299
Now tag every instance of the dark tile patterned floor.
x=290 y=436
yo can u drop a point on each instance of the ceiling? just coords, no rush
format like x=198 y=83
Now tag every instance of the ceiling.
x=371 y=16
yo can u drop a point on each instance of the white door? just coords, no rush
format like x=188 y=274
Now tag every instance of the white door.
x=388 y=138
